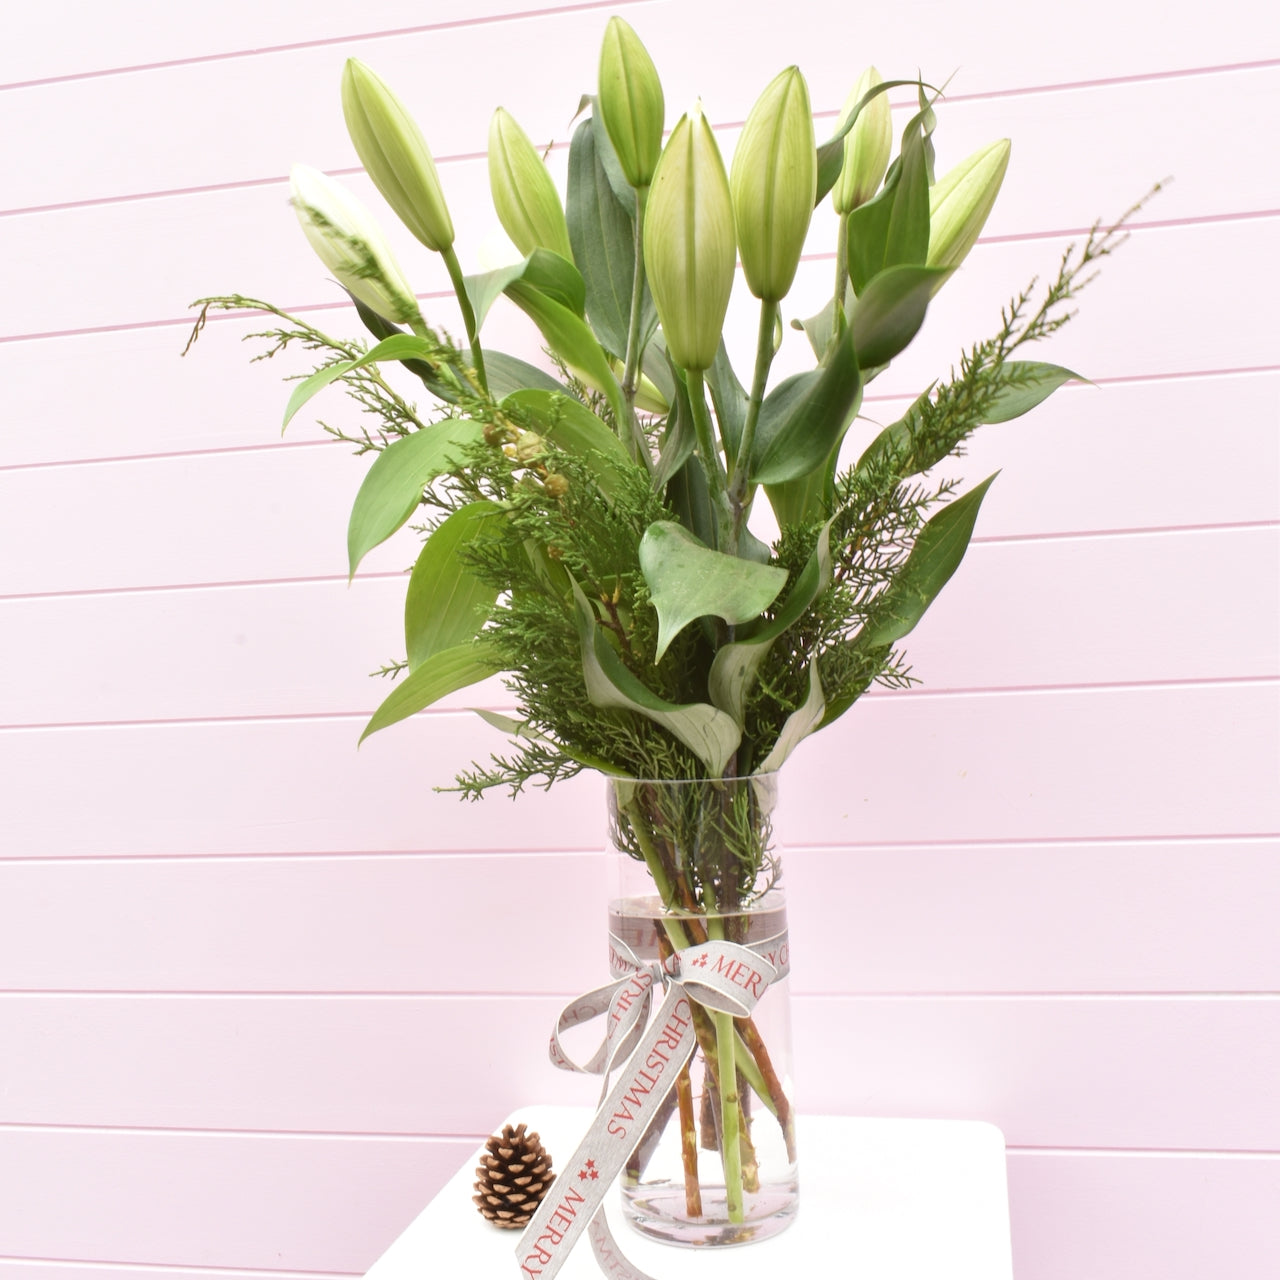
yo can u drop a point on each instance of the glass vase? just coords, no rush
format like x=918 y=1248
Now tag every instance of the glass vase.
x=695 y=860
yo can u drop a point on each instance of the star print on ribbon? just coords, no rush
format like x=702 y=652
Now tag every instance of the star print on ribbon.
x=723 y=976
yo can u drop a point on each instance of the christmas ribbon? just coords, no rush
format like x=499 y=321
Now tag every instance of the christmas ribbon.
x=723 y=976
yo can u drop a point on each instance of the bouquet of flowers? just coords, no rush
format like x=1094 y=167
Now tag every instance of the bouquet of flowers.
x=587 y=530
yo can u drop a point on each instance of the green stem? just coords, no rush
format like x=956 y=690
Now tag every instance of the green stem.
x=630 y=372
x=842 y=275
x=468 y=315
x=711 y=463
x=740 y=475
x=730 y=1137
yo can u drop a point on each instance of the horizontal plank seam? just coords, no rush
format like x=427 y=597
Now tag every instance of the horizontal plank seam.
x=592 y=851
x=1134 y=228
x=351 y=1136
x=914 y=694
x=1030 y=841
x=1138 y=531
x=947 y=994
x=329 y=442
x=328 y=41
x=165 y=1267
x=469 y=157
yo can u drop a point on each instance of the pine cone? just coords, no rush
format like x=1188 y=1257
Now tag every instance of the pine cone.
x=512 y=1177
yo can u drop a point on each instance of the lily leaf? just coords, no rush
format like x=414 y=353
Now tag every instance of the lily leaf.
x=799 y=724
x=623 y=191
x=1030 y=382
x=602 y=233
x=680 y=438
x=393 y=486
x=805 y=416
x=939 y=548
x=444 y=673
x=446 y=604
x=508 y=373
x=688 y=580
x=551 y=275
x=729 y=397
x=568 y=335
x=571 y=426
x=735 y=665
x=710 y=734
x=399 y=347
x=889 y=311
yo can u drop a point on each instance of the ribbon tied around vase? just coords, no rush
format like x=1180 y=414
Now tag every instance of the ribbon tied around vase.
x=726 y=977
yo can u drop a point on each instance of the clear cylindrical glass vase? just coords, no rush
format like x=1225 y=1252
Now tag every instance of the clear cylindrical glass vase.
x=696 y=860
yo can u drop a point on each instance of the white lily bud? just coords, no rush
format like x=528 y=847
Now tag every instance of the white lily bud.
x=960 y=201
x=867 y=146
x=350 y=243
x=689 y=247
x=523 y=192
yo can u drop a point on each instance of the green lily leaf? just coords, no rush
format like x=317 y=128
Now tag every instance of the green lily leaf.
x=444 y=673
x=1030 y=382
x=729 y=397
x=446 y=604
x=710 y=734
x=548 y=273
x=831 y=152
x=383 y=328
x=401 y=346
x=889 y=311
x=689 y=496
x=688 y=580
x=602 y=233
x=567 y=334
x=571 y=426
x=623 y=191
x=805 y=417
x=680 y=438
x=735 y=665
x=894 y=227
x=799 y=724
x=938 y=550
x=508 y=373
x=393 y=486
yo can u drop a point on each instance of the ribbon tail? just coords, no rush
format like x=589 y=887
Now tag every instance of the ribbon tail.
x=610 y=1258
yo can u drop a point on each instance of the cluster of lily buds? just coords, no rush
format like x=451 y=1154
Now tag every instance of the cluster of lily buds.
x=699 y=220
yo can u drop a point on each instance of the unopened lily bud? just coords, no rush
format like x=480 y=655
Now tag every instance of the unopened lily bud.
x=774 y=181
x=556 y=485
x=630 y=102
x=524 y=195
x=529 y=446
x=689 y=242
x=395 y=155
x=960 y=201
x=351 y=244
x=867 y=145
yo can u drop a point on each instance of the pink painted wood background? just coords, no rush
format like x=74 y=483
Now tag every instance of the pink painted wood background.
x=1054 y=869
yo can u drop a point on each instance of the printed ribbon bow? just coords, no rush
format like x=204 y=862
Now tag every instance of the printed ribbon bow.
x=722 y=976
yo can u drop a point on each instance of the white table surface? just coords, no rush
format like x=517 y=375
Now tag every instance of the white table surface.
x=879 y=1200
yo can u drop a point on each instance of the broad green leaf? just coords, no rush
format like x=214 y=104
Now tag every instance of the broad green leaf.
x=894 y=227
x=382 y=328
x=679 y=439
x=735 y=665
x=543 y=271
x=446 y=604
x=820 y=329
x=602 y=233
x=807 y=499
x=508 y=374
x=445 y=673
x=624 y=192
x=730 y=399
x=688 y=580
x=399 y=347
x=831 y=152
x=799 y=724
x=393 y=486
x=889 y=311
x=689 y=496
x=804 y=417
x=710 y=734
x=569 y=337
x=1030 y=382
x=571 y=426
x=938 y=550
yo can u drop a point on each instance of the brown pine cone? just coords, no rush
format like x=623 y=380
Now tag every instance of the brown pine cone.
x=512 y=1177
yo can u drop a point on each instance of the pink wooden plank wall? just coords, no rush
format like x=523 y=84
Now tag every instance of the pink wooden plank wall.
x=1056 y=867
